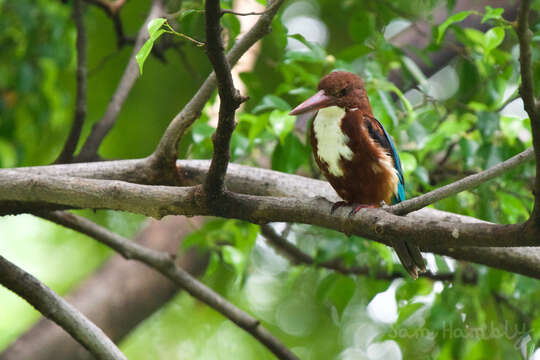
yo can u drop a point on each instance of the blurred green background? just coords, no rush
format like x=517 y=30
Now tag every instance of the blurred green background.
x=463 y=119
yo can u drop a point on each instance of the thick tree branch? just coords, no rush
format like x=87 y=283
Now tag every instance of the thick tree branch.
x=80 y=98
x=131 y=73
x=58 y=310
x=466 y=183
x=166 y=151
x=165 y=264
x=263 y=182
x=526 y=91
x=158 y=201
x=230 y=100
x=242 y=179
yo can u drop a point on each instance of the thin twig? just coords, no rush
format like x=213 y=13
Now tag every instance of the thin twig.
x=165 y=264
x=466 y=183
x=166 y=151
x=131 y=73
x=230 y=100
x=48 y=303
x=70 y=146
x=102 y=62
x=526 y=90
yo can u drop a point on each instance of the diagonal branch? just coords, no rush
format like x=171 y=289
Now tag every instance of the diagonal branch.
x=70 y=146
x=526 y=90
x=58 y=310
x=165 y=264
x=230 y=100
x=466 y=183
x=166 y=151
x=131 y=73
x=115 y=305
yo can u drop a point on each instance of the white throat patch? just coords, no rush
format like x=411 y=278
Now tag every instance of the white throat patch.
x=331 y=141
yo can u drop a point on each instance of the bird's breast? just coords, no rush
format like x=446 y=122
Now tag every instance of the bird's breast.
x=331 y=140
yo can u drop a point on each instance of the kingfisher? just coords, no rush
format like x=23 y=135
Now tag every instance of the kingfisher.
x=355 y=153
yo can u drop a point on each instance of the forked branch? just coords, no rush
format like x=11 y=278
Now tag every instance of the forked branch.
x=166 y=151
x=230 y=100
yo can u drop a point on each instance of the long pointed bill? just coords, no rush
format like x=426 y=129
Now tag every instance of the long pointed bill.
x=316 y=102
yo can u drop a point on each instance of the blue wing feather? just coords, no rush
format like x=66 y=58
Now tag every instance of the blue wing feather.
x=389 y=144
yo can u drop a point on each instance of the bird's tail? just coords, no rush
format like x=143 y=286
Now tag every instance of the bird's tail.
x=410 y=257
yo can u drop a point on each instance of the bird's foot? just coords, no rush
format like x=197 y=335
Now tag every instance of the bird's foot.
x=337 y=205
x=355 y=207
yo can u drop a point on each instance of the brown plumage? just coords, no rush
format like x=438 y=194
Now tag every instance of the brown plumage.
x=361 y=183
x=355 y=153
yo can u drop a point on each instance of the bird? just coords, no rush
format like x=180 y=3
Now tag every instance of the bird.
x=355 y=153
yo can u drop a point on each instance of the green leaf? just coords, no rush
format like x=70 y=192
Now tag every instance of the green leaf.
x=155 y=31
x=271 y=102
x=477 y=37
x=235 y=258
x=415 y=71
x=512 y=207
x=492 y=13
x=302 y=39
x=143 y=53
x=290 y=155
x=406 y=311
x=488 y=123
x=388 y=106
x=460 y=16
x=282 y=123
x=336 y=290
x=361 y=26
x=493 y=38
x=8 y=155
x=408 y=161
x=153 y=26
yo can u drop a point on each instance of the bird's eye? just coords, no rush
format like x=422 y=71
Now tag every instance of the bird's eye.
x=343 y=92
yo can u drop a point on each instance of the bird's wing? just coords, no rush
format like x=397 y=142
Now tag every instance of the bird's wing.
x=379 y=134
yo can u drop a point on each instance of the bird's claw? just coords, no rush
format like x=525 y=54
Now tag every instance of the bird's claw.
x=355 y=207
x=337 y=205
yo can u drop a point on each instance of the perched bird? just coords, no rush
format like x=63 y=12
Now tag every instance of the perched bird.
x=355 y=153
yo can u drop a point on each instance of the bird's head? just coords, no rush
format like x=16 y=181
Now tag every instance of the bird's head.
x=339 y=88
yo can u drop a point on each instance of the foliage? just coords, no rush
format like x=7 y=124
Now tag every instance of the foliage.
x=455 y=123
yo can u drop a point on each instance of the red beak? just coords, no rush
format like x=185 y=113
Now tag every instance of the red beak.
x=316 y=102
